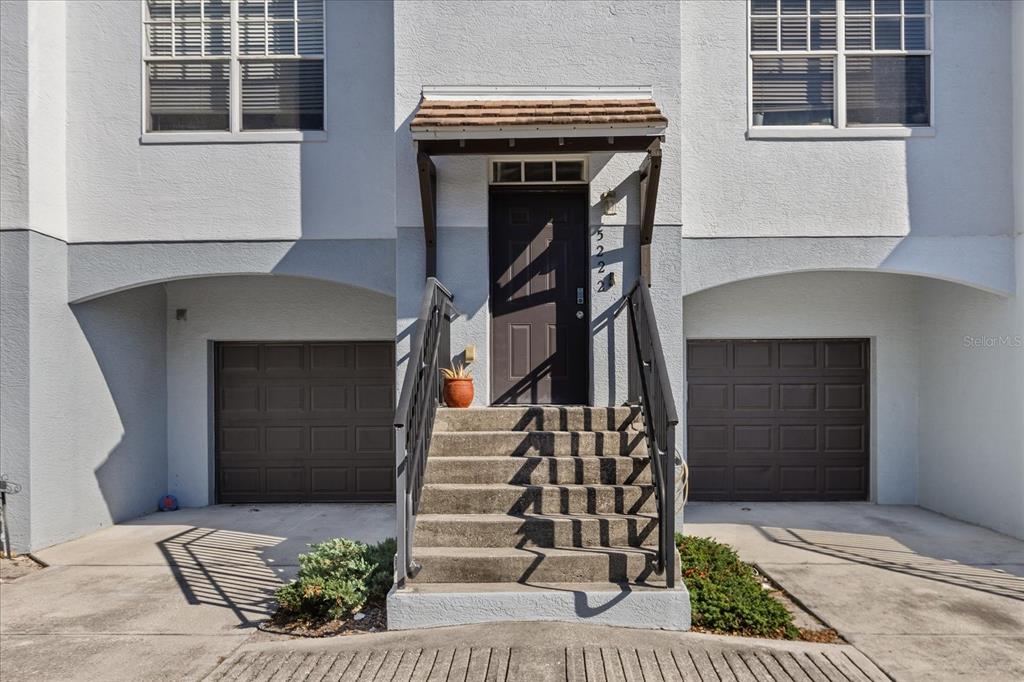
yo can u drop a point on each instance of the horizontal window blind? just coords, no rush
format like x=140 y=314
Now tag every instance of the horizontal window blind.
x=797 y=59
x=793 y=90
x=234 y=64
x=188 y=96
x=887 y=90
x=282 y=94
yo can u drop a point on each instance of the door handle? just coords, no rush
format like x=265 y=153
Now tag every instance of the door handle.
x=579 y=314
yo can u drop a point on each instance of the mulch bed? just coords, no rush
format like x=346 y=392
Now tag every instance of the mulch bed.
x=18 y=566
x=373 y=618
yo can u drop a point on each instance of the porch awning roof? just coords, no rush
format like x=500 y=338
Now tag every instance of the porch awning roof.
x=538 y=120
x=512 y=113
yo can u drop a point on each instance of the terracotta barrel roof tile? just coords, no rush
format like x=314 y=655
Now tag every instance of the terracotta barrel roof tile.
x=476 y=113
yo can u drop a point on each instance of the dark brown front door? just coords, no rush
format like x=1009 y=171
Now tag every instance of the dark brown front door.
x=540 y=322
x=778 y=420
x=305 y=422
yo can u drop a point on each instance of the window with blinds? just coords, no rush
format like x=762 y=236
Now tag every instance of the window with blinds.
x=840 y=63
x=234 y=65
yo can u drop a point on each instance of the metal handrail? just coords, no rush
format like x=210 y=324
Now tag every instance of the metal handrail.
x=660 y=418
x=414 y=417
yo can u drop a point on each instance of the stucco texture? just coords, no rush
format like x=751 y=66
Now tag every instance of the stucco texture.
x=121 y=190
x=736 y=187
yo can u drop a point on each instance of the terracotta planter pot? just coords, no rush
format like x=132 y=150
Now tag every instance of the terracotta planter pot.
x=458 y=392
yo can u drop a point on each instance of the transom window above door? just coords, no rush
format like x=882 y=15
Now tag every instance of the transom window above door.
x=558 y=171
x=857 y=68
x=236 y=68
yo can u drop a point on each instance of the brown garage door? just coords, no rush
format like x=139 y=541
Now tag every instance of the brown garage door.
x=778 y=420
x=305 y=422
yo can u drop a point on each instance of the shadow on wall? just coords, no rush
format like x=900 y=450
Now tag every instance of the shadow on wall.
x=347 y=183
x=127 y=335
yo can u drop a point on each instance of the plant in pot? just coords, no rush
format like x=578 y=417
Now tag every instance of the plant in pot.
x=458 y=386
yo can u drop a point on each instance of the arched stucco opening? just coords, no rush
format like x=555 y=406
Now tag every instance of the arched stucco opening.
x=96 y=270
x=946 y=378
x=121 y=386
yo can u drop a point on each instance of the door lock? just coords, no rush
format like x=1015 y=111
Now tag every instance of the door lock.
x=579 y=295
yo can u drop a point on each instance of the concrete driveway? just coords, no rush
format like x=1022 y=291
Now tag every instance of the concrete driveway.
x=166 y=596
x=924 y=596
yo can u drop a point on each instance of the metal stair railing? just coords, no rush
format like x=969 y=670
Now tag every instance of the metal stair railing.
x=647 y=361
x=414 y=417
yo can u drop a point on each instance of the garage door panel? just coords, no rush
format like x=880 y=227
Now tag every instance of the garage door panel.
x=286 y=439
x=798 y=396
x=328 y=440
x=288 y=359
x=709 y=396
x=844 y=397
x=798 y=355
x=798 y=437
x=752 y=355
x=707 y=355
x=845 y=355
x=330 y=479
x=240 y=480
x=239 y=358
x=375 y=398
x=845 y=479
x=331 y=398
x=798 y=480
x=796 y=430
x=305 y=421
x=331 y=359
x=748 y=397
x=375 y=360
x=285 y=480
x=753 y=437
x=240 y=399
x=754 y=479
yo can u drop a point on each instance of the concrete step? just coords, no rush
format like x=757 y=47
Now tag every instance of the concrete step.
x=536 y=443
x=461 y=498
x=425 y=605
x=536 y=530
x=635 y=565
x=539 y=470
x=539 y=418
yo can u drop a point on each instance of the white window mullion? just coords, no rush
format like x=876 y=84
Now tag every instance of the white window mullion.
x=840 y=76
x=174 y=36
x=235 y=86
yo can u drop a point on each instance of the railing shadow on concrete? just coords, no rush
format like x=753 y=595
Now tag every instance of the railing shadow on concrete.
x=882 y=551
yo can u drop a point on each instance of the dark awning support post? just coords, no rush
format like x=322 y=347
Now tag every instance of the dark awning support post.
x=650 y=174
x=428 y=200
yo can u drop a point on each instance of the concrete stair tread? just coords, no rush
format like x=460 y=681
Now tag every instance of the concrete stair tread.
x=531 y=586
x=545 y=486
x=541 y=434
x=524 y=516
x=515 y=552
x=534 y=455
x=519 y=418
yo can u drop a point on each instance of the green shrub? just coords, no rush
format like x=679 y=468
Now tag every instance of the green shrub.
x=337 y=578
x=725 y=594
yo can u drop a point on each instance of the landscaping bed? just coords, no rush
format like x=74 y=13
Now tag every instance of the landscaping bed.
x=730 y=597
x=17 y=566
x=341 y=589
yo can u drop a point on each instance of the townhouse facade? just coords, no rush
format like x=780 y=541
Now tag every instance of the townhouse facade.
x=219 y=217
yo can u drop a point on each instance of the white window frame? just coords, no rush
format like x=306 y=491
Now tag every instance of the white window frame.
x=840 y=129
x=234 y=58
x=491 y=160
